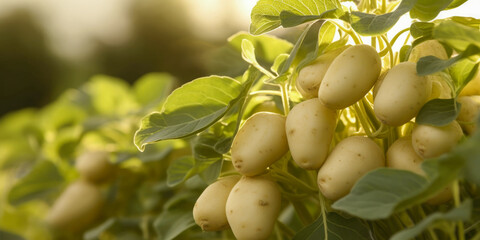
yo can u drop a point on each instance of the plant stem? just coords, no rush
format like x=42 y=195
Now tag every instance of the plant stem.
x=302 y=212
x=394 y=39
x=285 y=99
x=390 y=50
x=457 y=201
x=324 y=215
x=431 y=233
x=265 y=92
x=352 y=34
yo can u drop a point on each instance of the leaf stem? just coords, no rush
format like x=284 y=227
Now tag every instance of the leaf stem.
x=457 y=202
x=324 y=215
x=394 y=39
x=390 y=50
x=285 y=98
x=265 y=92
x=352 y=34
x=431 y=233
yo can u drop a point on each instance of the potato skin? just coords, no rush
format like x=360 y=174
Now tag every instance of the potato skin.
x=352 y=158
x=468 y=113
x=209 y=210
x=253 y=207
x=350 y=76
x=260 y=142
x=430 y=141
x=310 y=77
x=310 y=127
x=401 y=95
x=401 y=155
x=472 y=87
x=95 y=166
x=427 y=48
x=77 y=207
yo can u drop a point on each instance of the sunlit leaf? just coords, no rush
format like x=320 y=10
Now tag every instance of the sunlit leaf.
x=338 y=228
x=438 y=112
x=421 y=29
x=427 y=10
x=153 y=88
x=457 y=35
x=248 y=54
x=455 y=4
x=290 y=19
x=110 y=96
x=265 y=15
x=267 y=47
x=189 y=110
x=431 y=64
x=405 y=53
x=462 y=72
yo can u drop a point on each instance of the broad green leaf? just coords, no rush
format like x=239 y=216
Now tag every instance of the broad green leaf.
x=248 y=54
x=438 y=112
x=371 y=24
x=462 y=72
x=290 y=19
x=180 y=170
x=172 y=223
x=267 y=47
x=456 y=35
x=431 y=64
x=279 y=62
x=204 y=147
x=44 y=179
x=110 y=96
x=460 y=213
x=405 y=52
x=212 y=172
x=153 y=88
x=189 y=110
x=338 y=228
x=4 y=235
x=421 y=29
x=265 y=15
x=312 y=47
x=455 y=4
x=427 y=10
x=467 y=21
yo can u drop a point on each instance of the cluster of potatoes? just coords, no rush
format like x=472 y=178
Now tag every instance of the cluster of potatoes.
x=82 y=201
x=250 y=203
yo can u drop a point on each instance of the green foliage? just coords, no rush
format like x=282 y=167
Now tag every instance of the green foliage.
x=427 y=10
x=438 y=112
x=338 y=227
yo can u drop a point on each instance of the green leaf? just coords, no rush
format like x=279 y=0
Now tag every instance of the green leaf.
x=180 y=170
x=456 y=35
x=460 y=213
x=4 y=235
x=267 y=47
x=95 y=233
x=421 y=29
x=371 y=24
x=212 y=172
x=290 y=19
x=248 y=54
x=455 y=4
x=427 y=10
x=204 y=147
x=110 y=96
x=44 y=179
x=469 y=151
x=431 y=64
x=153 y=88
x=467 y=21
x=462 y=72
x=313 y=47
x=405 y=52
x=265 y=15
x=438 y=112
x=279 y=62
x=189 y=110
x=338 y=228
x=170 y=224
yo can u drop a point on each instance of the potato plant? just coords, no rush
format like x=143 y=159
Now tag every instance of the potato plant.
x=334 y=136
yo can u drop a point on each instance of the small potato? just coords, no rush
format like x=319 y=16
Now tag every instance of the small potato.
x=469 y=113
x=95 y=166
x=427 y=48
x=350 y=76
x=472 y=87
x=352 y=158
x=401 y=155
x=430 y=141
x=76 y=208
x=401 y=95
x=260 y=142
x=209 y=210
x=253 y=207
x=310 y=77
x=310 y=127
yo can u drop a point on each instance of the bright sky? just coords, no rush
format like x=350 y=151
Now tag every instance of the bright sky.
x=72 y=24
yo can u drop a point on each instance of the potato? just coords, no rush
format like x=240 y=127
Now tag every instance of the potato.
x=260 y=142
x=401 y=155
x=253 y=207
x=427 y=48
x=401 y=95
x=76 y=208
x=310 y=77
x=440 y=88
x=350 y=76
x=95 y=166
x=310 y=127
x=209 y=210
x=430 y=141
x=472 y=87
x=352 y=158
x=469 y=113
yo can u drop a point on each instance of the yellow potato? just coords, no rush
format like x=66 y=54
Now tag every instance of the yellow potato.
x=260 y=142
x=352 y=158
x=95 y=166
x=469 y=113
x=401 y=155
x=427 y=48
x=430 y=141
x=253 y=207
x=76 y=208
x=310 y=127
x=472 y=87
x=401 y=95
x=350 y=76
x=209 y=210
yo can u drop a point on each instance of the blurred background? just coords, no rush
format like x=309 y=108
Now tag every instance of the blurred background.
x=48 y=46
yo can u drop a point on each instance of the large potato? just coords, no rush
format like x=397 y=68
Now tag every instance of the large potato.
x=209 y=210
x=253 y=207
x=430 y=141
x=77 y=207
x=260 y=142
x=352 y=158
x=427 y=48
x=310 y=77
x=472 y=87
x=401 y=155
x=310 y=127
x=95 y=166
x=350 y=76
x=401 y=95
x=469 y=113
